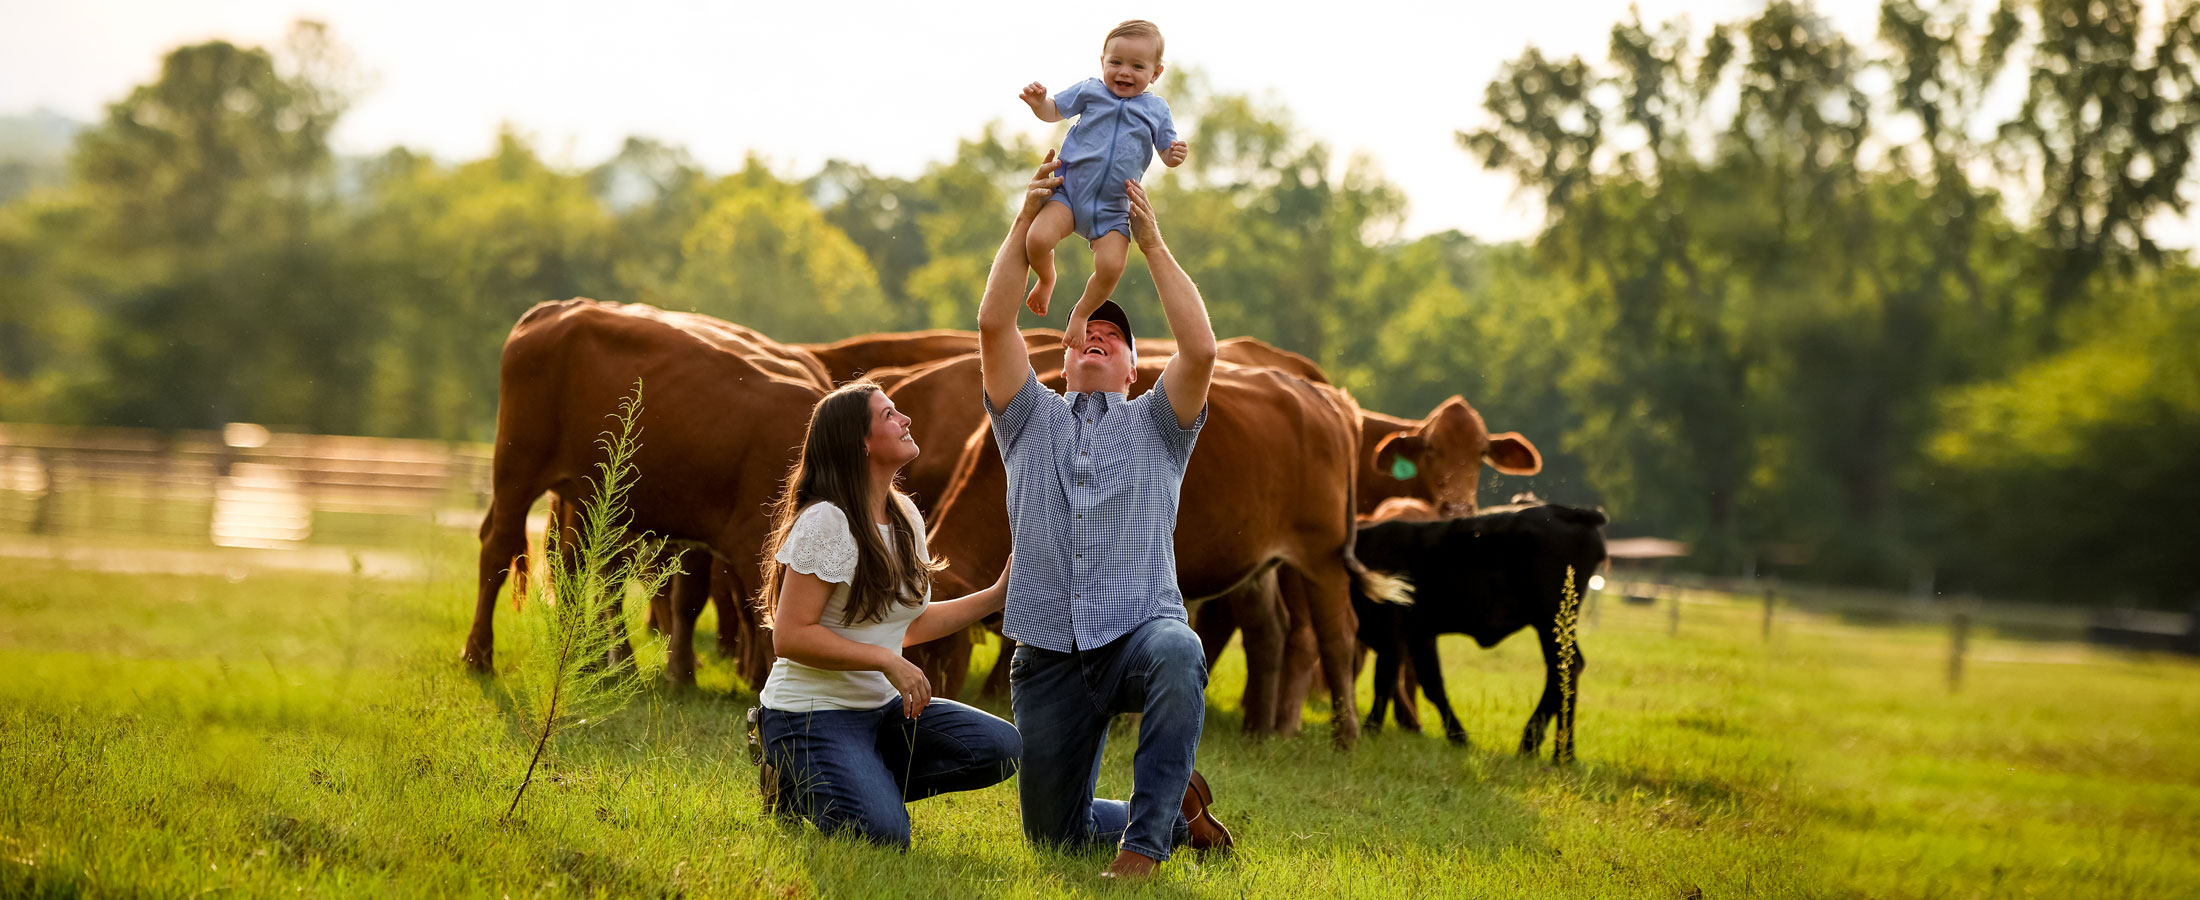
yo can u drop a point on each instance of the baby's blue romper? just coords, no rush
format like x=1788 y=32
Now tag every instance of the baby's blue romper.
x=1115 y=138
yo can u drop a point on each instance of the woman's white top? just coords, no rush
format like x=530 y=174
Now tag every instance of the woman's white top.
x=821 y=543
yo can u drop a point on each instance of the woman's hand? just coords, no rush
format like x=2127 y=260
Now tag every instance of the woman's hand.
x=915 y=689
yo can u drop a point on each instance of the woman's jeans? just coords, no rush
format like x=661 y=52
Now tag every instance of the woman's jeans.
x=1064 y=702
x=853 y=769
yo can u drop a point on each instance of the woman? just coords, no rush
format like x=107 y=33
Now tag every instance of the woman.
x=850 y=727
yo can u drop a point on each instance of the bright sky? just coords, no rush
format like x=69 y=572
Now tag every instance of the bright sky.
x=891 y=85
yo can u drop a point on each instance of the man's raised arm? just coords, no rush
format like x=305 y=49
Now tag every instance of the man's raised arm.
x=1003 y=359
x=1187 y=375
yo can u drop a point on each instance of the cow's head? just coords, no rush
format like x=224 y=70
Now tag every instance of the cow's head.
x=1444 y=456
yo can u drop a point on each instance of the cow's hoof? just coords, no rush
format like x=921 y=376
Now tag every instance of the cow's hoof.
x=480 y=660
x=1344 y=739
x=1457 y=738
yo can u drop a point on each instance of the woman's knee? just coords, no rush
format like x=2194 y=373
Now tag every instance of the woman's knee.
x=882 y=824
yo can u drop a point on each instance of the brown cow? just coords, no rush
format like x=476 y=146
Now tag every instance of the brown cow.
x=1268 y=489
x=722 y=417
x=1438 y=459
x=846 y=360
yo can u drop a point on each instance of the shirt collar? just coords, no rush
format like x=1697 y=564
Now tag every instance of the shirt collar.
x=1108 y=399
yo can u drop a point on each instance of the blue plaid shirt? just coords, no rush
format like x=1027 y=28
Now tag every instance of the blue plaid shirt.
x=1093 y=481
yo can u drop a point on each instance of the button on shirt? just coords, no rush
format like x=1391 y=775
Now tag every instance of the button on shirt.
x=1093 y=484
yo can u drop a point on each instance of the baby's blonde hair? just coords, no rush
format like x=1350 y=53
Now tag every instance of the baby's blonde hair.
x=1137 y=28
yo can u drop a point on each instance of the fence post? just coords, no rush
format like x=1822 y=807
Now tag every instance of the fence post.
x=1673 y=616
x=1959 y=627
x=43 y=519
x=1770 y=599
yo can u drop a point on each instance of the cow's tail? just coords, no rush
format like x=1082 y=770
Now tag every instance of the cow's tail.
x=1382 y=587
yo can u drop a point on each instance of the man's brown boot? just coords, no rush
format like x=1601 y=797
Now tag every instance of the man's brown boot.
x=1207 y=831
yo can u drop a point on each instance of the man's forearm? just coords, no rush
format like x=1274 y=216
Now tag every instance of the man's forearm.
x=1181 y=304
x=1004 y=285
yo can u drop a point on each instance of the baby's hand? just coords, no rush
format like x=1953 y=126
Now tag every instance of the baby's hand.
x=1034 y=94
x=1174 y=156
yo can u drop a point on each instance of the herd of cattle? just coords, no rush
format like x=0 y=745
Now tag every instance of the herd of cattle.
x=1290 y=482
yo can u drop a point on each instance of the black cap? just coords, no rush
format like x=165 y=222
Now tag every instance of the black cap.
x=1110 y=311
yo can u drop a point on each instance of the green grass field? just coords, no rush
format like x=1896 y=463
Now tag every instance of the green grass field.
x=172 y=736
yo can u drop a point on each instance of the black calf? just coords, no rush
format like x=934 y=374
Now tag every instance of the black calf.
x=1486 y=577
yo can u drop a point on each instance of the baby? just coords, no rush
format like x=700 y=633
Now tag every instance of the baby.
x=1119 y=126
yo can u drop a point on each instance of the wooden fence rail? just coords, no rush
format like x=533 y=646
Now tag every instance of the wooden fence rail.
x=241 y=486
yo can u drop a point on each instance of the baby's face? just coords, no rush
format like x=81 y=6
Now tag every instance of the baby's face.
x=1129 y=64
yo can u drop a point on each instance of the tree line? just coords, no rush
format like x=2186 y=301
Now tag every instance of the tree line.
x=1821 y=306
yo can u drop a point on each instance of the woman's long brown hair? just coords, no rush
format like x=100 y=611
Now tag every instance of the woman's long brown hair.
x=834 y=468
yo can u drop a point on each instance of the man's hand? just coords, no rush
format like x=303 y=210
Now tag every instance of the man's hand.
x=1042 y=187
x=1144 y=228
x=1034 y=94
x=1174 y=156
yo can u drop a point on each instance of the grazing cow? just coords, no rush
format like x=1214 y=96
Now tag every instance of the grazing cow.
x=846 y=360
x=1268 y=490
x=1484 y=576
x=722 y=417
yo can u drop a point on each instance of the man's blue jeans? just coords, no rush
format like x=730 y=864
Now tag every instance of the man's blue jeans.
x=1064 y=702
x=853 y=769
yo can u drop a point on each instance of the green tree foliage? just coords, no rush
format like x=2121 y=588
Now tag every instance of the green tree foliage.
x=2075 y=476
x=1774 y=290
x=205 y=188
x=764 y=256
x=447 y=259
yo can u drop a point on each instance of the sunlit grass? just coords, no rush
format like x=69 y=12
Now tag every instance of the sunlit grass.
x=178 y=735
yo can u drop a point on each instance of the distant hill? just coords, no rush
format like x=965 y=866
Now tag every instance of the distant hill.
x=34 y=151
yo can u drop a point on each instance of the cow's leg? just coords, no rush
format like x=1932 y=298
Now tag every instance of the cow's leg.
x=1386 y=687
x=733 y=608
x=1423 y=648
x=1327 y=598
x=689 y=593
x=1301 y=656
x=1554 y=705
x=503 y=548
x=1408 y=690
x=996 y=681
x=731 y=586
x=1214 y=623
x=1258 y=608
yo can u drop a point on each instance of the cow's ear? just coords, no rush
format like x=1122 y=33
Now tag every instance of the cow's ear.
x=1398 y=456
x=1513 y=455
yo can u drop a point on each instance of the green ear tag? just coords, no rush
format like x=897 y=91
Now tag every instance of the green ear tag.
x=1402 y=468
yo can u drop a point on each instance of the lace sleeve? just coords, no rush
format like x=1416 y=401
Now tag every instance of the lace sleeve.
x=820 y=544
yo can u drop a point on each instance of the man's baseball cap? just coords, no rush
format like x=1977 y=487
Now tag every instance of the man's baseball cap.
x=1110 y=311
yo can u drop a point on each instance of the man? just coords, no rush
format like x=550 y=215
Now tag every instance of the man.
x=1093 y=603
